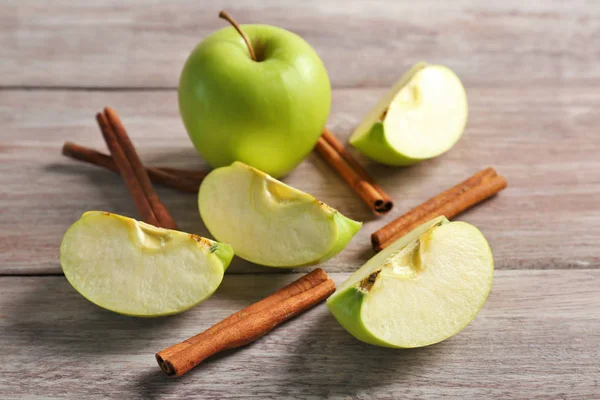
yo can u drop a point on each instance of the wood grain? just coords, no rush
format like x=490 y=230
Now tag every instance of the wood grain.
x=531 y=74
x=544 y=140
x=132 y=43
x=538 y=336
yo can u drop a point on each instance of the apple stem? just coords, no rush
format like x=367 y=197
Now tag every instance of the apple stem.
x=228 y=18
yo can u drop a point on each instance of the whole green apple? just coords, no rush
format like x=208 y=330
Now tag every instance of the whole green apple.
x=267 y=112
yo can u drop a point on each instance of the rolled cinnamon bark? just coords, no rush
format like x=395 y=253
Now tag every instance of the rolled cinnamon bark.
x=141 y=201
x=303 y=284
x=358 y=180
x=380 y=206
x=248 y=324
x=449 y=203
x=120 y=138
x=183 y=180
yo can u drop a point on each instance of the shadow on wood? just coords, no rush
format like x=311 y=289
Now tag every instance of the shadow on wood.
x=155 y=384
x=316 y=365
x=337 y=364
x=181 y=157
x=58 y=320
x=105 y=188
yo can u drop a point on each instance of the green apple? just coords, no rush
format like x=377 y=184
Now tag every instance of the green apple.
x=268 y=222
x=267 y=113
x=422 y=289
x=137 y=269
x=421 y=117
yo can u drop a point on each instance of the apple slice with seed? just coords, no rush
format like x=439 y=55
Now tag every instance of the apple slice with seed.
x=421 y=117
x=424 y=288
x=268 y=222
x=137 y=269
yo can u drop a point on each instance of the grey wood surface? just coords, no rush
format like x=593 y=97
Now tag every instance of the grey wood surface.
x=530 y=69
x=538 y=336
x=544 y=141
x=363 y=43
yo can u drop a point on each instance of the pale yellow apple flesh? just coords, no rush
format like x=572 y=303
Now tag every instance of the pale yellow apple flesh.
x=134 y=268
x=421 y=117
x=268 y=222
x=422 y=289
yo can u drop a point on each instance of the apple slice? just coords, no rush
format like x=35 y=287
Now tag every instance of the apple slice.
x=268 y=222
x=422 y=289
x=134 y=268
x=421 y=117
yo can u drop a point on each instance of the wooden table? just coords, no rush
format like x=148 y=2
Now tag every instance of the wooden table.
x=533 y=82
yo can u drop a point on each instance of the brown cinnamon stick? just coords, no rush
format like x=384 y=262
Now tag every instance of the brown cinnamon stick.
x=160 y=211
x=127 y=173
x=450 y=203
x=333 y=152
x=387 y=203
x=248 y=324
x=306 y=282
x=194 y=176
x=183 y=180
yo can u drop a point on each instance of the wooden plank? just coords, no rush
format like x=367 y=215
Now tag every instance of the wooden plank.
x=538 y=336
x=114 y=43
x=545 y=143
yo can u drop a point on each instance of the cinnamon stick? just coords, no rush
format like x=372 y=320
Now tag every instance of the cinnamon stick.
x=248 y=324
x=160 y=211
x=140 y=200
x=449 y=203
x=306 y=282
x=183 y=180
x=333 y=152
x=195 y=176
x=386 y=204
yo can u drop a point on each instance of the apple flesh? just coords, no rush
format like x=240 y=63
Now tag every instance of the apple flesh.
x=268 y=222
x=137 y=269
x=421 y=117
x=267 y=113
x=424 y=288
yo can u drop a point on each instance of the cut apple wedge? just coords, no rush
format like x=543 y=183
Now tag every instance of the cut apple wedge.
x=268 y=222
x=137 y=269
x=421 y=117
x=422 y=289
